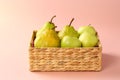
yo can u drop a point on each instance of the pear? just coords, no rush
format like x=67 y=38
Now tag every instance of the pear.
x=47 y=25
x=88 y=28
x=47 y=38
x=70 y=42
x=68 y=30
x=88 y=39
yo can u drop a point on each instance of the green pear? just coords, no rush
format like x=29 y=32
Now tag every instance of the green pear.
x=70 y=42
x=47 y=38
x=47 y=25
x=68 y=30
x=88 y=28
x=88 y=40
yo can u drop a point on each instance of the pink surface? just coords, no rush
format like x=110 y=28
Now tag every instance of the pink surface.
x=18 y=18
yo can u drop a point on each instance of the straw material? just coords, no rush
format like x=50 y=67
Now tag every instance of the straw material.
x=64 y=59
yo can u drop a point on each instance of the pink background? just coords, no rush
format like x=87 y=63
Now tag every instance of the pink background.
x=18 y=18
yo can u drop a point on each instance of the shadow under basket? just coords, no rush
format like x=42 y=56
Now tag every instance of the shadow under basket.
x=64 y=59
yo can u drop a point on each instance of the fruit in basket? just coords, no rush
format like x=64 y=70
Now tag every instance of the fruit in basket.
x=47 y=38
x=88 y=39
x=68 y=30
x=70 y=42
x=47 y=25
x=88 y=28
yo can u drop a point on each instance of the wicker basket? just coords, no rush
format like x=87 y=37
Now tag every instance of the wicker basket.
x=64 y=59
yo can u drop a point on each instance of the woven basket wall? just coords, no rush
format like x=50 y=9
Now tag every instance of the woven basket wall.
x=64 y=59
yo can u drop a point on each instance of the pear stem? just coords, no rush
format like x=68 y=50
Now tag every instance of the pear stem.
x=71 y=21
x=89 y=25
x=52 y=18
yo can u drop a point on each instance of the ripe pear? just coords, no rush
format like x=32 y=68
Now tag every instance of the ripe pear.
x=70 y=42
x=68 y=30
x=47 y=25
x=88 y=28
x=47 y=38
x=88 y=40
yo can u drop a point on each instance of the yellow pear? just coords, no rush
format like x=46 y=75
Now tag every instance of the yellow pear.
x=48 y=38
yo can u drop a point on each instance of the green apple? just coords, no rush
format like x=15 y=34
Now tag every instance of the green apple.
x=88 y=28
x=70 y=42
x=88 y=40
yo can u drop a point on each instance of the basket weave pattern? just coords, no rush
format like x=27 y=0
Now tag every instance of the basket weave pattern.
x=64 y=59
